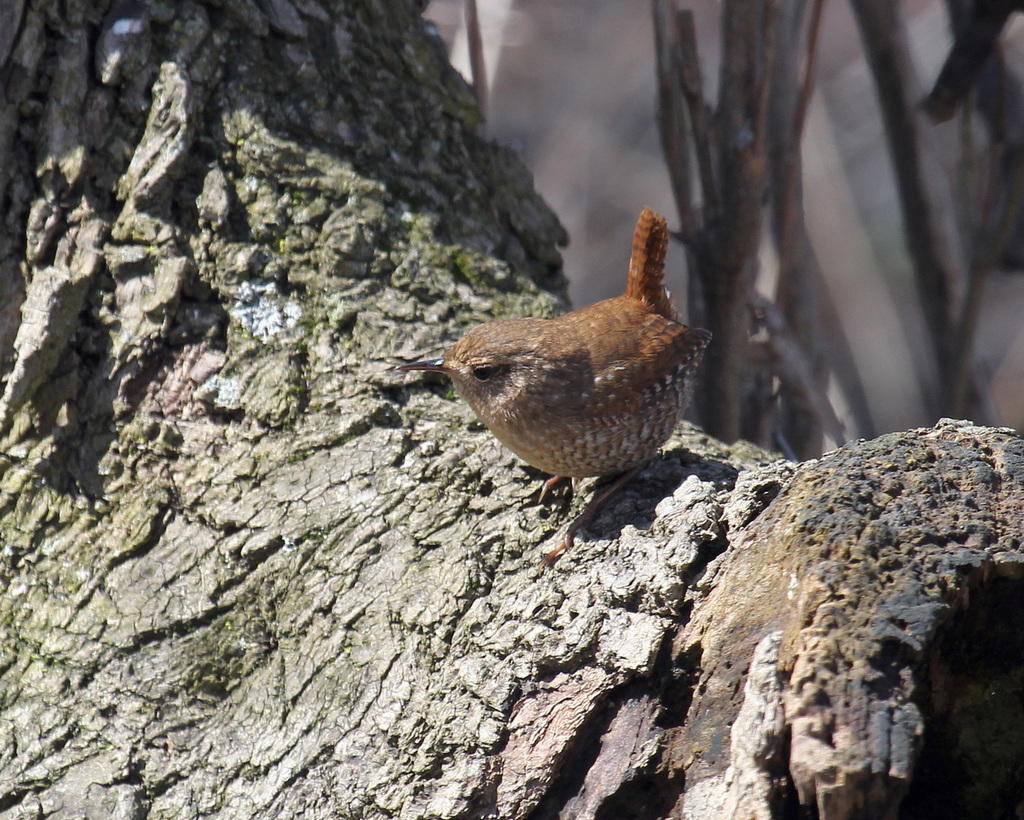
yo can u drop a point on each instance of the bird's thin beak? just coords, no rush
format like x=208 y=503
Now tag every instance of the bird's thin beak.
x=433 y=365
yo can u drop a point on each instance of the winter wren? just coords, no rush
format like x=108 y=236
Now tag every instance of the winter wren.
x=594 y=392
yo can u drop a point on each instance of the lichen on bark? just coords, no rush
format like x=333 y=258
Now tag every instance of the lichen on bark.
x=247 y=569
x=206 y=460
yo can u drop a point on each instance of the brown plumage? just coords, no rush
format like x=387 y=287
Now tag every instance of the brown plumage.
x=594 y=392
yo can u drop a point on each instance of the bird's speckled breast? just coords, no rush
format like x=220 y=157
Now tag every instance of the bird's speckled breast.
x=602 y=446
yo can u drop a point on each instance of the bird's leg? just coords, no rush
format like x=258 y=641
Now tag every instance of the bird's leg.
x=551 y=484
x=590 y=513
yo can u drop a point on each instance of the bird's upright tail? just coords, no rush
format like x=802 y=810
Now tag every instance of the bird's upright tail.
x=647 y=264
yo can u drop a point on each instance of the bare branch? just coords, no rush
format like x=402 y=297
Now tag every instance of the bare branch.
x=933 y=236
x=975 y=41
x=730 y=157
x=799 y=286
x=693 y=91
x=476 y=55
x=807 y=84
x=961 y=381
x=748 y=41
x=671 y=115
x=793 y=368
x=788 y=144
x=748 y=36
x=844 y=365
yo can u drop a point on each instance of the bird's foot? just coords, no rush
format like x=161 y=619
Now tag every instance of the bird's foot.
x=553 y=484
x=589 y=514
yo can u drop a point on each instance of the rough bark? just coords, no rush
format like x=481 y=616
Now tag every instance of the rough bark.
x=247 y=572
x=876 y=603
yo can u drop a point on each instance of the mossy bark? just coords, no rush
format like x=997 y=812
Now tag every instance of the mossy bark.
x=247 y=571
x=873 y=601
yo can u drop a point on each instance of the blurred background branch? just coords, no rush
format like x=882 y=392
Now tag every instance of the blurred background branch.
x=853 y=241
x=724 y=237
x=475 y=44
x=932 y=233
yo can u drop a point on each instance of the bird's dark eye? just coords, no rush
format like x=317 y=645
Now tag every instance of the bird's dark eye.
x=482 y=372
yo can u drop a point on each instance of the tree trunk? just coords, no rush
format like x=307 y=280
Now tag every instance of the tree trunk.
x=249 y=572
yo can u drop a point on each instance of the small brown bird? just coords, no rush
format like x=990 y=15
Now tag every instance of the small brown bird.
x=594 y=392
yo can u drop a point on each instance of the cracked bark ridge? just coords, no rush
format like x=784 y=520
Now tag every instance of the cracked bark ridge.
x=866 y=578
x=148 y=184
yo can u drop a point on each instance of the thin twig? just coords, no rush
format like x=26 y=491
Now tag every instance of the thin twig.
x=803 y=100
x=762 y=91
x=671 y=115
x=961 y=382
x=787 y=184
x=799 y=288
x=697 y=107
x=839 y=353
x=934 y=239
x=976 y=38
x=476 y=55
x=792 y=367
x=997 y=126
